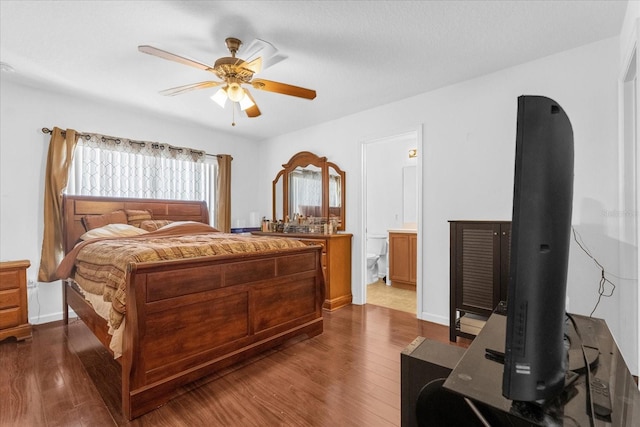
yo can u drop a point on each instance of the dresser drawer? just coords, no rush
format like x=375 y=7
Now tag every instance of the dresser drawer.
x=10 y=279
x=9 y=317
x=10 y=298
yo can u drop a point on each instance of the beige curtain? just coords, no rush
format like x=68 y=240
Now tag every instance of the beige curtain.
x=223 y=202
x=58 y=163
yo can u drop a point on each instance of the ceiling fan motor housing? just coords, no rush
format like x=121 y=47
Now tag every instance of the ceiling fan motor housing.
x=230 y=68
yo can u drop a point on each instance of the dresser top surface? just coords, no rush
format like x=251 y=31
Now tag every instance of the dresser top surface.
x=7 y=265
x=305 y=235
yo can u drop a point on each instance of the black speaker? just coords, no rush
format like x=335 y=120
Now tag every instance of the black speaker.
x=439 y=407
x=422 y=362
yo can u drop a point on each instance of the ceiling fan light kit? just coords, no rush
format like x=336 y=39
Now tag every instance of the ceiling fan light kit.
x=235 y=92
x=220 y=97
x=245 y=102
x=233 y=73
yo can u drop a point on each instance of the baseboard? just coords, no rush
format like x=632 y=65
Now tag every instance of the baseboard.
x=434 y=318
x=51 y=317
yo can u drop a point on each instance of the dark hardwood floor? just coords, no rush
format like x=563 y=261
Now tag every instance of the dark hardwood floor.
x=347 y=376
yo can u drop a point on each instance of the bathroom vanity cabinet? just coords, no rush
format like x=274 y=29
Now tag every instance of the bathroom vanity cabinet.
x=403 y=258
x=336 y=264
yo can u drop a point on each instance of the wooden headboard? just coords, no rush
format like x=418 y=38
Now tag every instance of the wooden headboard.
x=75 y=207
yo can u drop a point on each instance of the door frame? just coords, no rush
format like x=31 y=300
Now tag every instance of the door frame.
x=629 y=98
x=418 y=136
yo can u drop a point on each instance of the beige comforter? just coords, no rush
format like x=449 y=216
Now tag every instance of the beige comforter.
x=99 y=266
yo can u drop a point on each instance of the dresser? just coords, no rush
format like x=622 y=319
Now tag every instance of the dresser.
x=336 y=264
x=14 y=320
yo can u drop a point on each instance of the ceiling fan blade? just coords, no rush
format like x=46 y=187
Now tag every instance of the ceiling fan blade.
x=285 y=89
x=255 y=66
x=252 y=111
x=268 y=52
x=173 y=57
x=186 y=88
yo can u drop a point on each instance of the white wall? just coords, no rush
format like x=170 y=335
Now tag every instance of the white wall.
x=468 y=162
x=628 y=215
x=23 y=151
x=385 y=162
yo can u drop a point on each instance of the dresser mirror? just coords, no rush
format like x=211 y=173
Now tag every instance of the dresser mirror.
x=278 y=198
x=309 y=186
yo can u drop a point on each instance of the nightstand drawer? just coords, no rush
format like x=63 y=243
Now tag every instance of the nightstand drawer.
x=9 y=317
x=10 y=279
x=9 y=299
x=14 y=314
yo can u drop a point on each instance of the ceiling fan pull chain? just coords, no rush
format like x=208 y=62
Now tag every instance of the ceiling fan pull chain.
x=233 y=112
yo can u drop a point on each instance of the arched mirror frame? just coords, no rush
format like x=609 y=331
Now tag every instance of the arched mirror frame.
x=304 y=159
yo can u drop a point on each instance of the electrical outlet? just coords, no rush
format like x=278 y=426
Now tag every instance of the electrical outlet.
x=31 y=283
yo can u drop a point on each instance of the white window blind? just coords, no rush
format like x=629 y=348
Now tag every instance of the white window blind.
x=113 y=167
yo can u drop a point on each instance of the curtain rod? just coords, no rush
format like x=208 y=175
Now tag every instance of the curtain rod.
x=83 y=135
x=86 y=136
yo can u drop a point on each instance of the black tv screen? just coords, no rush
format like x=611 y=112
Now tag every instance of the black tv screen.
x=535 y=353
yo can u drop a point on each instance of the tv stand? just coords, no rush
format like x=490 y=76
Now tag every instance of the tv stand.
x=479 y=379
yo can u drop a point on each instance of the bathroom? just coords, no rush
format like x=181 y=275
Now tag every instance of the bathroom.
x=391 y=206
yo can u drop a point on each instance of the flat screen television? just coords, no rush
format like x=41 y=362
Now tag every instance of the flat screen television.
x=535 y=353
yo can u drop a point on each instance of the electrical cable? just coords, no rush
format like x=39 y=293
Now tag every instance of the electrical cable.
x=604 y=281
x=587 y=370
x=477 y=412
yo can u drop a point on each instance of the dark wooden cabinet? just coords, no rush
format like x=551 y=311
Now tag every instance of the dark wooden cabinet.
x=479 y=273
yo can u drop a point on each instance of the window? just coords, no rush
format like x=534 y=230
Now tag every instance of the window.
x=122 y=168
x=305 y=192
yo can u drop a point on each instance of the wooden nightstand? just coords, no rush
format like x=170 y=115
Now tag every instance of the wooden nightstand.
x=14 y=320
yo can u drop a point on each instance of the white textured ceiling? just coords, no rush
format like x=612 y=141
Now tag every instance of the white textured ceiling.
x=355 y=54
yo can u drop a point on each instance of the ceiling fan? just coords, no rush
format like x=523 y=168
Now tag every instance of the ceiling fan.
x=233 y=73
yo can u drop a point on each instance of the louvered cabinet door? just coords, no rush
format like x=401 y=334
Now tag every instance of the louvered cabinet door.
x=479 y=269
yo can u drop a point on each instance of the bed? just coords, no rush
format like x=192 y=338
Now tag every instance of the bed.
x=188 y=318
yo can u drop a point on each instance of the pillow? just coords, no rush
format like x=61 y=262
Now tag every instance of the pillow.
x=154 y=224
x=113 y=230
x=94 y=221
x=135 y=217
x=180 y=223
x=190 y=227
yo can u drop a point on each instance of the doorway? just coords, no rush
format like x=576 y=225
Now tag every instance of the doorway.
x=629 y=184
x=391 y=189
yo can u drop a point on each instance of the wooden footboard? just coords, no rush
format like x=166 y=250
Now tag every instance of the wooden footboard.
x=186 y=319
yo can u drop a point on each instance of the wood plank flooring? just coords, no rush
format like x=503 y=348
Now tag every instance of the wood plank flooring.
x=347 y=376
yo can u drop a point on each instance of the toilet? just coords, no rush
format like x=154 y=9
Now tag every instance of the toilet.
x=376 y=252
